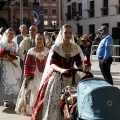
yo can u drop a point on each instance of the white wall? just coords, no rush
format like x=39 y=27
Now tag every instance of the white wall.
x=98 y=20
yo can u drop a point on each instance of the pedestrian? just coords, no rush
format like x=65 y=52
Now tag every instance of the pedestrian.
x=78 y=40
x=54 y=36
x=86 y=46
x=23 y=34
x=34 y=67
x=25 y=45
x=96 y=42
x=104 y=53
x=47 y=39
x=18 y=39
x=10 y=71
x=63 y=55
x=97 y=38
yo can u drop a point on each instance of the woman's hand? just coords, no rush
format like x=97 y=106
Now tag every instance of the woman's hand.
x=60 y=70
x=63 y=70
x=7 y=59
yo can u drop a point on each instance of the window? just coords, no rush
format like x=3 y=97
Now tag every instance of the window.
x=80 y=30
x=118 y=24
x=45 y=22
x=80 y=8
x=25 y=2
x=46 y=11
x=118 y=7
x=53 y=0
x=105 y=7
x=68 y=14
x=92 y=29
x=73 y=10
x=91 y=10
x=54 y=11
x=68 y=0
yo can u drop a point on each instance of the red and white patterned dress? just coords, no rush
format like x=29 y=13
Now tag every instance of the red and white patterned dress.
x=27 y=96
x=47 y=104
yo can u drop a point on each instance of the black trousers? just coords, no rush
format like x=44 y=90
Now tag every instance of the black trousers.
x=105 y=69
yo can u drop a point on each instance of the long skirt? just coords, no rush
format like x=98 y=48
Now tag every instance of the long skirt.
x=47 y=104
x=10 y=80
x=27 y=96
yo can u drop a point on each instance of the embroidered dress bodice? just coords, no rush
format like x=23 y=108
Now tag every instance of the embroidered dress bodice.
x=36 y=60
x=10 y=47
x=66 y=60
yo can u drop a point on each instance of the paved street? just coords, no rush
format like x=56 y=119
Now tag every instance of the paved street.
x=9 y=114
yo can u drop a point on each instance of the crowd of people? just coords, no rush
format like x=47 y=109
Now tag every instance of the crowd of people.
x=31 y=64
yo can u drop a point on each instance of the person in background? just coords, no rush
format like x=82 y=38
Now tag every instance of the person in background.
x=18 y=39
x=104 y=53
x=10 y=71
x=54 y=36
x=75 y=37
x=91 y=37
x=47 y=38
x=27 y=43
x=2 y=30
x=96 y=42
x=78 y=40
x=86 y=46
x=97 y=38
x=34 y=65
x=63 y=55
x=23 y=35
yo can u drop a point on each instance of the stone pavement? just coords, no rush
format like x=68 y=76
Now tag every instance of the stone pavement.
x=9 y=113
x=115 y=70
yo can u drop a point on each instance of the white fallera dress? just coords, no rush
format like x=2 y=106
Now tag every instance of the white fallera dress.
x=10 y=76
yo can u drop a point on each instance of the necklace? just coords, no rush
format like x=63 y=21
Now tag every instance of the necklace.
x=39 y=47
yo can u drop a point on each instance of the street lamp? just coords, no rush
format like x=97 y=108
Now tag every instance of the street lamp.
x=54 y=25
x=77 y=18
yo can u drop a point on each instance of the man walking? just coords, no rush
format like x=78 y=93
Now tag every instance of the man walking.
x=104 y=53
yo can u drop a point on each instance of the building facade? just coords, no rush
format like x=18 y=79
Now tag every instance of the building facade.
x=13 y=13
x=91 y=14
x=52 y=14
x=16 y=12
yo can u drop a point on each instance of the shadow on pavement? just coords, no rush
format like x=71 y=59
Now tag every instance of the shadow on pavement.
x=9 y=110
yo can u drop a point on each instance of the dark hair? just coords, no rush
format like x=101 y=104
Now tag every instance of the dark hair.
x=2 y=30
x=39 y=34
x=66 y=26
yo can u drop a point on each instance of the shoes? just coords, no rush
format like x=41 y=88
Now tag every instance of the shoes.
x=6 y=104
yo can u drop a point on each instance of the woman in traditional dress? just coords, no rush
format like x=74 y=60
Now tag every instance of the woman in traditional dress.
x=10 y=71
x=34 y=65
x=62 y=57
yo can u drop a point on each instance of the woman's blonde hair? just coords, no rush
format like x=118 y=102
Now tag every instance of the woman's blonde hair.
x=85 y=37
